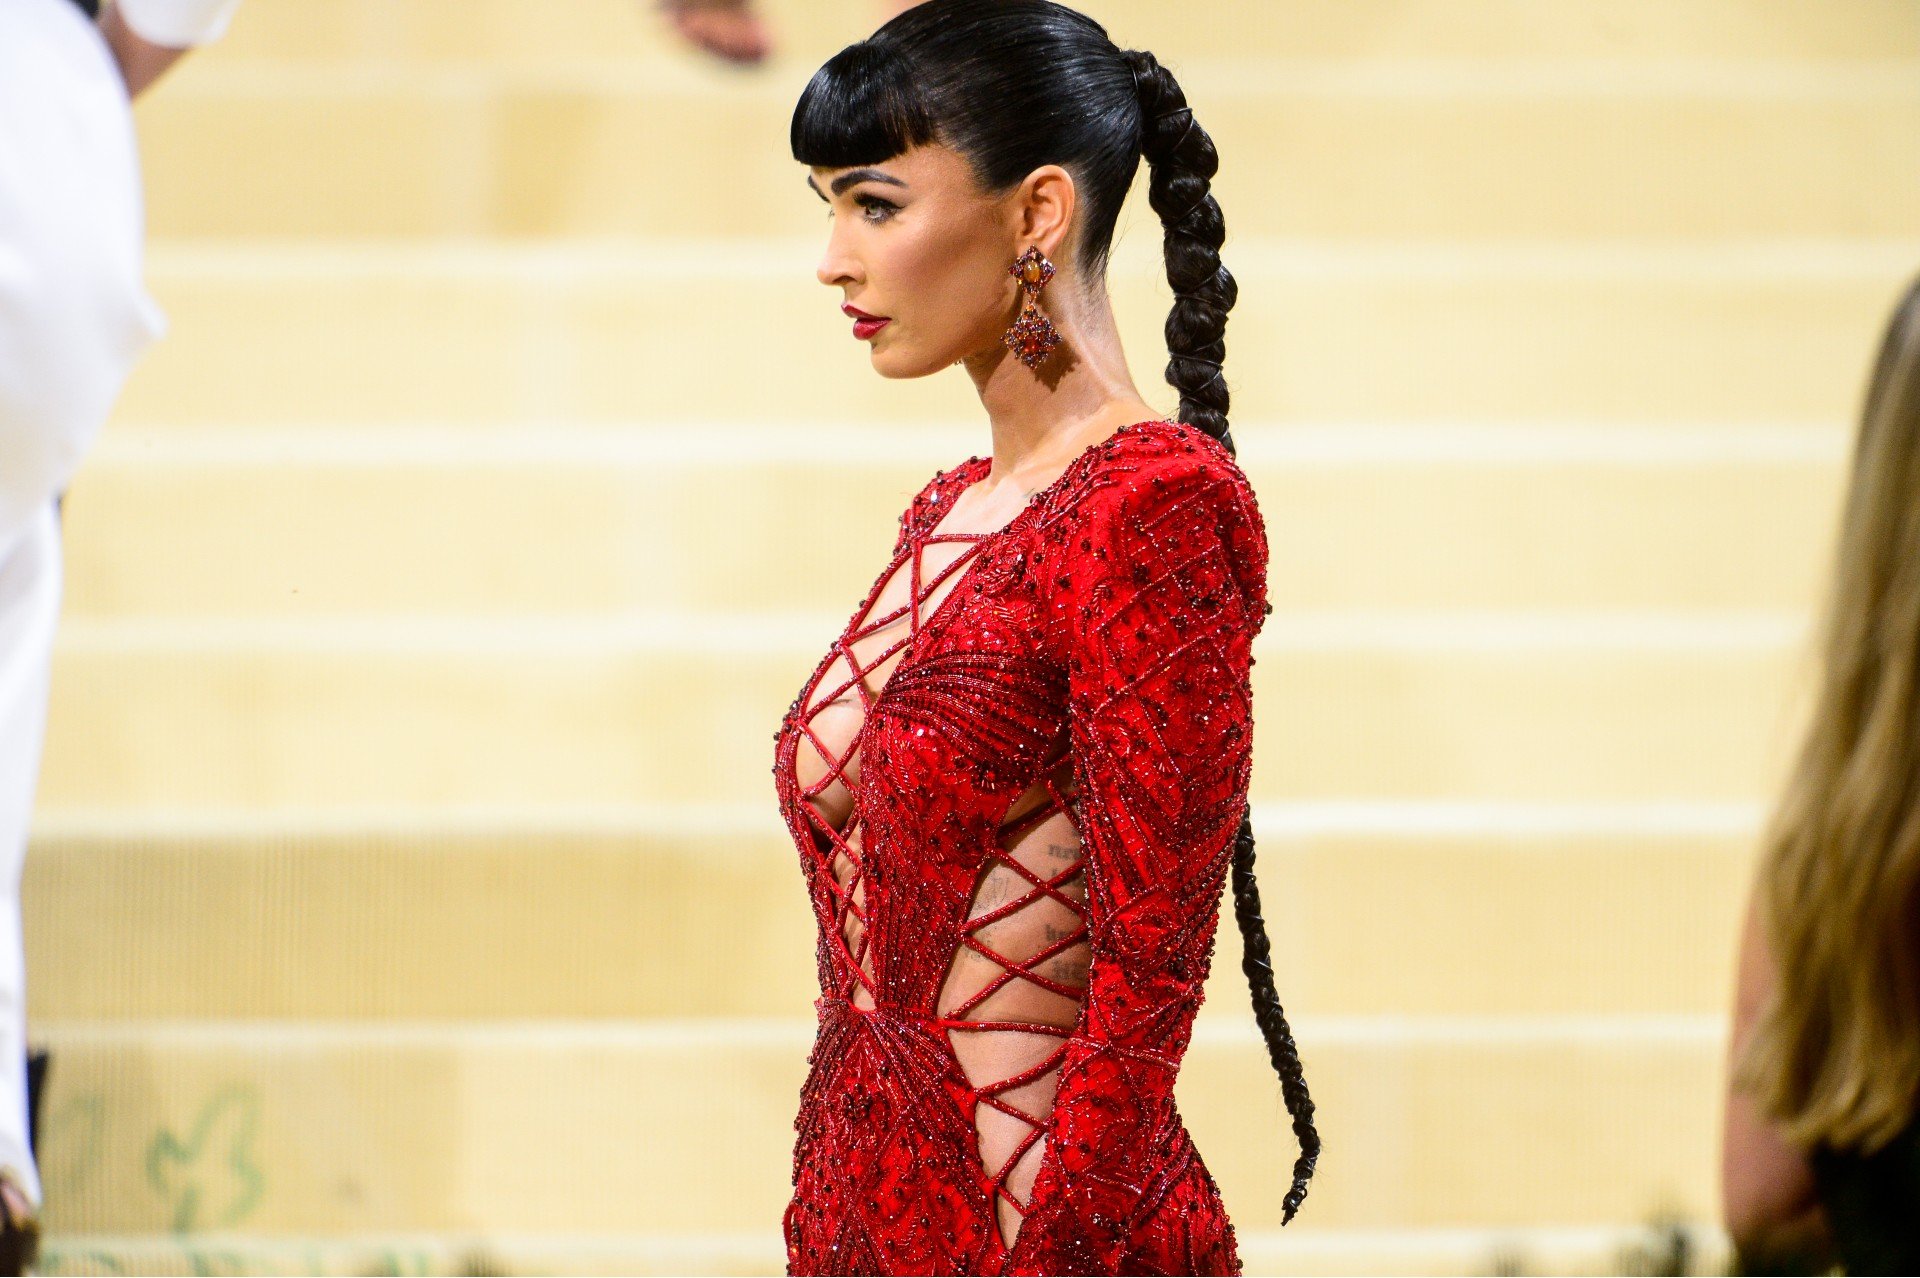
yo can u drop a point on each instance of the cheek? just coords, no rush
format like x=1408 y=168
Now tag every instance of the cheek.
x=953 y=294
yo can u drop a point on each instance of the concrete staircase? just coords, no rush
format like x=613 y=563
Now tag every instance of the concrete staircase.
x=407 y=893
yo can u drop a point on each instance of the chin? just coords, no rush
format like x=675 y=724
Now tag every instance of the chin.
x=901 y=365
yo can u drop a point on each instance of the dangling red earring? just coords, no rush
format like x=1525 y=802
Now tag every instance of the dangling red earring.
x=1032 y=337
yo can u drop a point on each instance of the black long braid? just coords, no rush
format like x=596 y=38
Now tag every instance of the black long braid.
x=1181 y=162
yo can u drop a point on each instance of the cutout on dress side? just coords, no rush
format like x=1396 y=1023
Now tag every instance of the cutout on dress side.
x=1014 y=988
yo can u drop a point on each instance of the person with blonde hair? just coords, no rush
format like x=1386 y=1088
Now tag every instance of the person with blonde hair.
x=1821 y=1155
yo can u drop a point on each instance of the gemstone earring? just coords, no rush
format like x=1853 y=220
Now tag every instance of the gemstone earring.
x=1032 y=337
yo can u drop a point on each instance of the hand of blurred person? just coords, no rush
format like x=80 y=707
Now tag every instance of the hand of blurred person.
x=729 y=29
x=19 y=1226
x=141 y=60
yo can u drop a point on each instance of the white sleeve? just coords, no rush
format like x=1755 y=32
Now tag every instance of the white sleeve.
x=178 y=23
x=74 y=310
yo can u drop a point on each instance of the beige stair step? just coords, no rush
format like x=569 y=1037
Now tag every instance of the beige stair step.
x=1294 y=1250
x=159 y=716
x=686 y=1127
x=1388 y=909
x=422 y=1254
x=530 y=521
x=539 y=32
x=598 y=333
x=1378 y=150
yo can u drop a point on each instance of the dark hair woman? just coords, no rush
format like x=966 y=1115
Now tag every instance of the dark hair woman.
x=1018 y=779
x=1821 y=1160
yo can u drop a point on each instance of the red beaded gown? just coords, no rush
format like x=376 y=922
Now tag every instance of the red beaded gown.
x=1014 y=783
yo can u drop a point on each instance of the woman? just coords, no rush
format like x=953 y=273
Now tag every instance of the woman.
x=1018 y=778
x=1821 y=1159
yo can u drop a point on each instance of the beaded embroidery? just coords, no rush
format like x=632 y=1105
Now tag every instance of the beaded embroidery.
x=1014 y=789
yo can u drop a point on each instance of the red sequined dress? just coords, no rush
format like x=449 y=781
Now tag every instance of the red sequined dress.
x=1014 y=783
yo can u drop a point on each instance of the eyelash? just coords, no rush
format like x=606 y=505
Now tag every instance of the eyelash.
x=870 y=202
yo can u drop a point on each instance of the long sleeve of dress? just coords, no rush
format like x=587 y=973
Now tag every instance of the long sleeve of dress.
x=1162 y=590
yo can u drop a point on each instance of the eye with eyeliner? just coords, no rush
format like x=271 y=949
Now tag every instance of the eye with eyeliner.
x=869 y=203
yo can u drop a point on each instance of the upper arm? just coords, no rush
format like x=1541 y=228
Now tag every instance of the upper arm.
x=1168 y=592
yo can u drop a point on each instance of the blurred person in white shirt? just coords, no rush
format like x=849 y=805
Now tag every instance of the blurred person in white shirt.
x=74 y=316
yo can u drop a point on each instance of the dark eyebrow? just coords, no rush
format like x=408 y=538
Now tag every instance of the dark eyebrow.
x=846 y=180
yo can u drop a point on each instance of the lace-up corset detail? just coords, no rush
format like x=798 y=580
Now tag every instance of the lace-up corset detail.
x=972 y=777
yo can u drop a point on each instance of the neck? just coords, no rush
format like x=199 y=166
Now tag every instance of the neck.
x=1042 y=418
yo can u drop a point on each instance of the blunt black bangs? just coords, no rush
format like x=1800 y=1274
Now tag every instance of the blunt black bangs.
x=863 y=107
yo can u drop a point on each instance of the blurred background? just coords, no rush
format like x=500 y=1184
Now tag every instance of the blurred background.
x=407 y=893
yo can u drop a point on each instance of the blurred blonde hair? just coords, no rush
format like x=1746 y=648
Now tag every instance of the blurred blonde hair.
x=1835 y=1058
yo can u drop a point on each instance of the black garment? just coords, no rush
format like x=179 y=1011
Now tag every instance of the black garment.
x=1873 y=1204
x=90 y=7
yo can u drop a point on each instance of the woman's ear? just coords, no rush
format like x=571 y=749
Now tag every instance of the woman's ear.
x=1043 y=209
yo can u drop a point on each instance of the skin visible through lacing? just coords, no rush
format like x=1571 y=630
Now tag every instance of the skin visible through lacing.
x=1013 y=990
x=1014 y=985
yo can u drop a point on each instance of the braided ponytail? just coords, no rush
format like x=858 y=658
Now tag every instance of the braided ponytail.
x=1182 y=161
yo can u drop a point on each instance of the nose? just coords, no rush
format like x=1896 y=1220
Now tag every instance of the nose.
x=837 y=266
x=834 y=270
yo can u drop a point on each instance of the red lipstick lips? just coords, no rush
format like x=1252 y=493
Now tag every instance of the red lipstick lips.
x=864 y=325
